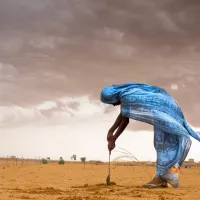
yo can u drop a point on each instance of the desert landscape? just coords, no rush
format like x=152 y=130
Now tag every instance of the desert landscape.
x=82 y=77
x=71 y=181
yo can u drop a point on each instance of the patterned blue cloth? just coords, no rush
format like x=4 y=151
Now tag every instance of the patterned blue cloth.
x=153 y=105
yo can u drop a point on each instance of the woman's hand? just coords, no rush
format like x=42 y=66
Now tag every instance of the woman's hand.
x=111 y=141
x=111 y=145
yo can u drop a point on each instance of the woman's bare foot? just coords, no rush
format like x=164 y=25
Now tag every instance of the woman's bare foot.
x=157 y=182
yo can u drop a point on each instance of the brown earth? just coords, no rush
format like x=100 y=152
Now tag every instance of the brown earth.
x=71 y=182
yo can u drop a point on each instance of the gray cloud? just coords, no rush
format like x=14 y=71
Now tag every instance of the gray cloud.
x=50 y=49
x=165 y=27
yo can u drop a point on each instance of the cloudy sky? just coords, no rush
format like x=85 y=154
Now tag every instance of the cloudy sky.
x=56 y=56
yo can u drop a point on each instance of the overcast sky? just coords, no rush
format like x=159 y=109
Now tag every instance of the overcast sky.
x=56 y=56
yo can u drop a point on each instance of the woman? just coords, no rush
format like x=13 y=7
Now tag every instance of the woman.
x=152 y=105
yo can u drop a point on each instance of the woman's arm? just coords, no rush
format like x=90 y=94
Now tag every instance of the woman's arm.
x=114 y=127
x=111 y=141
x=116 y=124
x=122 y=126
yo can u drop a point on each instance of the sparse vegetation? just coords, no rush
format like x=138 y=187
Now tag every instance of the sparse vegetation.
x=61 y=161
x=73 y=157
x=44 y=161
x=83 y=159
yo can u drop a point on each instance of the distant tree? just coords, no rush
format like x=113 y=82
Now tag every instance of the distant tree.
x=83 y=159
x=61 y=161
x=73 y=157
x=48 y=158
x=44 y=161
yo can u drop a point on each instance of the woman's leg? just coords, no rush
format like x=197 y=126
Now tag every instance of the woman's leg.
x=171 y=152
x=166 y=146
x=159 y=139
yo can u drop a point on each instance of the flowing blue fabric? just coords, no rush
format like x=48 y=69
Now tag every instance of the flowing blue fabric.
x=153 y=105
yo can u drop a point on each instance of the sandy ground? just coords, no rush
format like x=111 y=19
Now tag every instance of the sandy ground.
x=71 y=182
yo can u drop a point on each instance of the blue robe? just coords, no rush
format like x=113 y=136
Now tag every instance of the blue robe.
x=153 y=105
